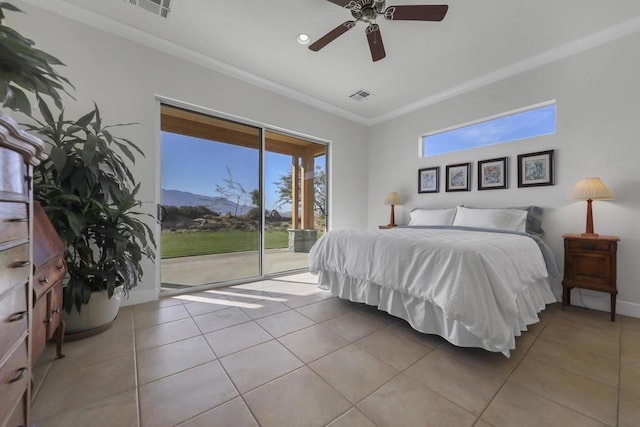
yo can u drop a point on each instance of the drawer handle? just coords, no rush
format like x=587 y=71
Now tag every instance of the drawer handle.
x=61 y=267
x=55 y=310
x=44 y=280
x=49 y=320
x=17 y=316
x=19 y=220
x=22 y=264
x=18 y=377
x=588 y=246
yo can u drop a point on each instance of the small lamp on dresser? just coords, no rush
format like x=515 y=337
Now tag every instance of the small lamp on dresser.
x=590 y=189
x=392 y=199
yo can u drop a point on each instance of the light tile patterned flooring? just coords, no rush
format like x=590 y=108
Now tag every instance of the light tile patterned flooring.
x=284 y=353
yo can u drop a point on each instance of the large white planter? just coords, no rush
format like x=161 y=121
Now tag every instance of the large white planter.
x=99 y=312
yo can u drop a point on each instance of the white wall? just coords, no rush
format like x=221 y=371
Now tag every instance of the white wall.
x=123 y=78
x=597 y=93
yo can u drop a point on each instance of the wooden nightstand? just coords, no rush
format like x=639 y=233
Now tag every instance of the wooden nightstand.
x=386 y=227
x=590 y=263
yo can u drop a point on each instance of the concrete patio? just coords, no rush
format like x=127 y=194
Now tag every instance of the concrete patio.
x=206 y=269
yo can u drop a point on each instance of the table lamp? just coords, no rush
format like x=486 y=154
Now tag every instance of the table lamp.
x=392 y=199
x=590 y=189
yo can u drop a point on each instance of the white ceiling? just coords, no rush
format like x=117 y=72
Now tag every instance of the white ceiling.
x=479 y=41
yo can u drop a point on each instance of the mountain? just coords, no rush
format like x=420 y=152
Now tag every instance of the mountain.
x=220 y=205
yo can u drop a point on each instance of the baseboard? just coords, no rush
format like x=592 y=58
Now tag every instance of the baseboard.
x=601 y=301
x=139 y=297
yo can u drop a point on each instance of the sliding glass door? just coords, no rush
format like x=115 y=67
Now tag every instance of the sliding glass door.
x=210 y=214
x=295 y=200
x=238 y=201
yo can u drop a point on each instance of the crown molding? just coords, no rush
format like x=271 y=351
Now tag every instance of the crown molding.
x=119 y=29
x=577 y=46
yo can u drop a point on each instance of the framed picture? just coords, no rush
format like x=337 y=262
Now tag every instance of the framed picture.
x=429 y=180
x=492 y=174
x=458 y=177
x=536 y=169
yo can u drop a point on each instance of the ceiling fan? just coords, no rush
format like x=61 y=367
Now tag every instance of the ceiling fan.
x=368 y=10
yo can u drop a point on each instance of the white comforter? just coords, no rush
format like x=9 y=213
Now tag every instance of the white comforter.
x=474 y=277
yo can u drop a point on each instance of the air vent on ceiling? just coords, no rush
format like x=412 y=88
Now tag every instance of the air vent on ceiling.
x=157 y=7
x=360 y=94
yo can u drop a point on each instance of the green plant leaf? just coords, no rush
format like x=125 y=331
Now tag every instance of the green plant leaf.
x=89 y=150
x=84 y=121
x=59 y=158
x=18 y=100
x=9 y=6
x=45 y=112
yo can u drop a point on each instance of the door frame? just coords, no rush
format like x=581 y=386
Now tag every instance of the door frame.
x=159 y=100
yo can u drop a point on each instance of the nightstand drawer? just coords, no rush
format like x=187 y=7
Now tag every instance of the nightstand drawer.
x=589 y=245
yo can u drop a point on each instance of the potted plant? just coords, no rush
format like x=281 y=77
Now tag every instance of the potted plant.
x=85 y=185
x=89 y=194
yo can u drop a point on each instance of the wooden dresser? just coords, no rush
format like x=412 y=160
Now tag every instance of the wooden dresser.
x=19 y=152
x=48 y=272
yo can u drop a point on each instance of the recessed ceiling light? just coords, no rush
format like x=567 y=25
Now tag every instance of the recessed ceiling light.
x=303 y=38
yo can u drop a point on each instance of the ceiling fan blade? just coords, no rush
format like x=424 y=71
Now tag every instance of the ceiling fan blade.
x=332 y=35
x=425 y=12
x=349 y=4
x=374 y=37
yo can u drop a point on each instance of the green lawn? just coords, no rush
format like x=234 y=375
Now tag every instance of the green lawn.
x=217 y=242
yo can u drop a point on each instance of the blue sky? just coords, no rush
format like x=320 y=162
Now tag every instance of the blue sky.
x=539 y=121
x=197 y=165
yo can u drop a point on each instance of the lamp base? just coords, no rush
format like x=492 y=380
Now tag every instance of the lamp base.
x=592 y=235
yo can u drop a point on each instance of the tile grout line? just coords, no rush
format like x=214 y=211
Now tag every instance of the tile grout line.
x=135 y=368
x=571 y=372
x=619 y=376
x=240 y=395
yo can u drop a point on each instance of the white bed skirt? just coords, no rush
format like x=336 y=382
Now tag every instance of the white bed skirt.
x=428 y=318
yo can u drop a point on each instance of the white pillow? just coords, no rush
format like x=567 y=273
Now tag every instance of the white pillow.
x=432 y=216
x=502 y=219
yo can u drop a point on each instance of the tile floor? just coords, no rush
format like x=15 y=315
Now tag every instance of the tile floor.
x=283 y=353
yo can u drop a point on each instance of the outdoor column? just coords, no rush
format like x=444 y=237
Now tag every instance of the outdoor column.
x=307 y=190
x=295 y=180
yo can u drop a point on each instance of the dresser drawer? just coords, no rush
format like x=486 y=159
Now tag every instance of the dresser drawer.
x=589 y=245
x=39 y=329
x=14 y=221
x=14 y=320
x=17 y=417
x=14 y=267
x=14 y=377
x=54 y=301
x=48 y=275
x=12 y=175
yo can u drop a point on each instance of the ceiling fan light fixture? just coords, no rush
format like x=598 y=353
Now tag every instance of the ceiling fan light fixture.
x=303 y=38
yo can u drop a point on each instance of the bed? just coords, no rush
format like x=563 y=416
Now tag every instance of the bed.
x=475 y=283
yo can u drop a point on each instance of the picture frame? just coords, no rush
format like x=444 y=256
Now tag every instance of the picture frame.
x=493 y=174
x=429 y=180
x=536 y=169
x=459 y=177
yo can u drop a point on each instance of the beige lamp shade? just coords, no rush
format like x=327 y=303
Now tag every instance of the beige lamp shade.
x=393 y=199
x=590 y=189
